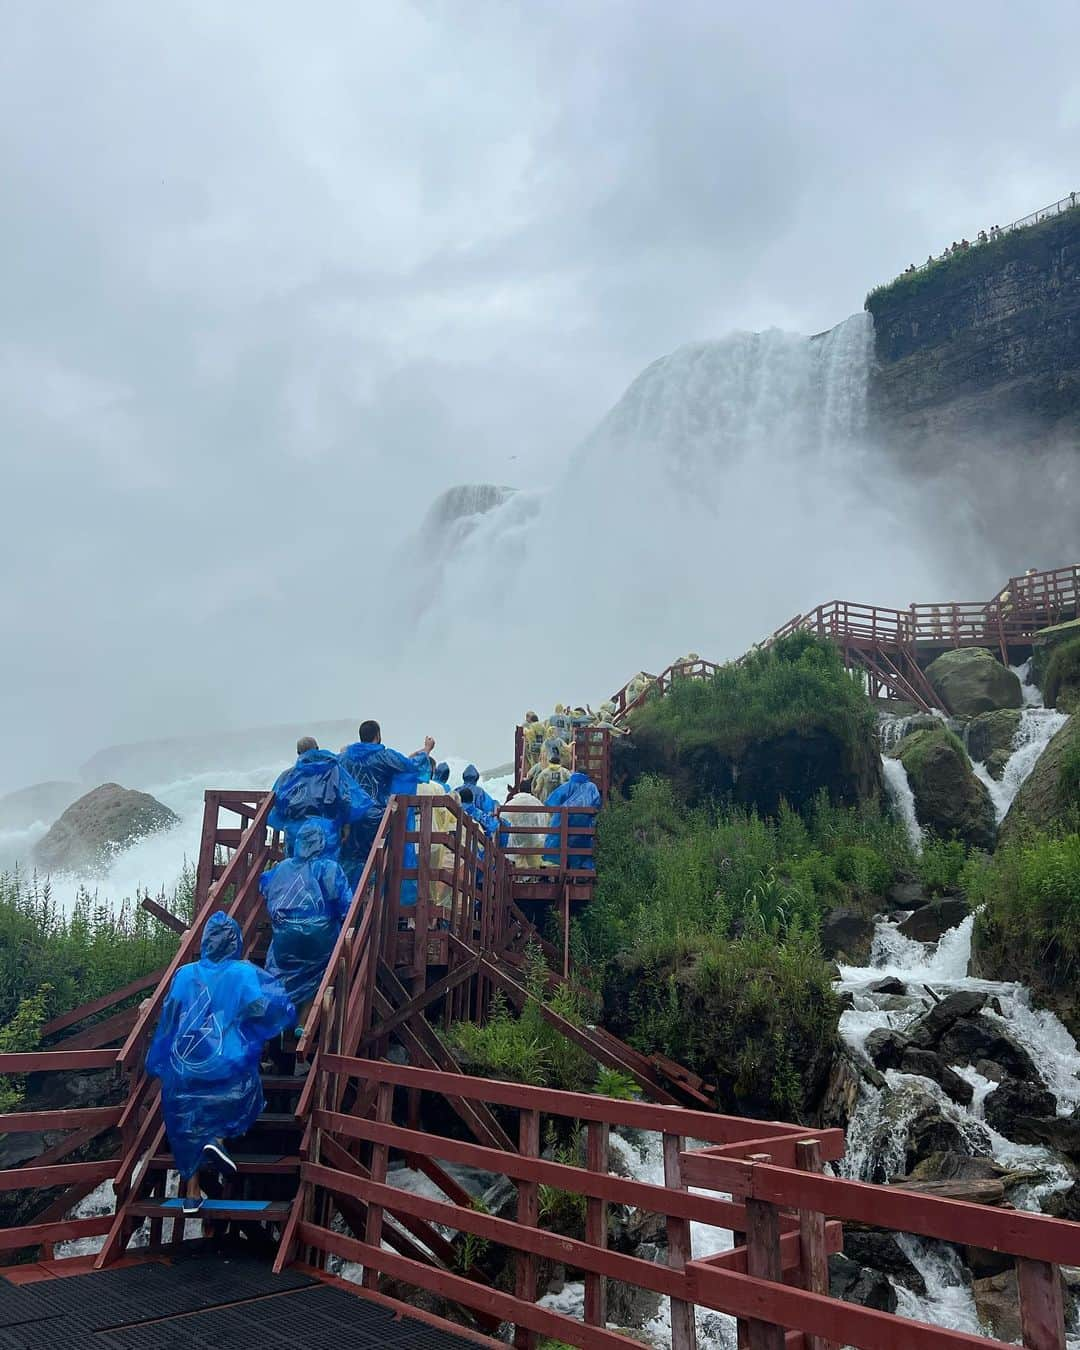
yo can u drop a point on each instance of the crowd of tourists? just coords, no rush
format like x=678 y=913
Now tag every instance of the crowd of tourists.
x=221 y=1010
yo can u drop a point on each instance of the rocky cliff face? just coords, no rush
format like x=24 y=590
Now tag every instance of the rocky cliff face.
x=986 y=341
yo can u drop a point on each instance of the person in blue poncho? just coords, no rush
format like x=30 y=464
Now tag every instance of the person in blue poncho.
x=218 y=1014
x=442 y=775
x=381 y=771
x=319 y=786
x=488 y=821
x=484 y=800
x=578 y=790
x=307 y=897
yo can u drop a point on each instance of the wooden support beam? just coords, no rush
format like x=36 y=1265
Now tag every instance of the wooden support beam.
x=596 y=1223
x=380 y=1153
x=528 y=1213
x=1042 y=1317
x=680 y=1252
x=814 y=1251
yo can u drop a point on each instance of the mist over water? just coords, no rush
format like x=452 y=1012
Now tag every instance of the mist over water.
x=731 y=487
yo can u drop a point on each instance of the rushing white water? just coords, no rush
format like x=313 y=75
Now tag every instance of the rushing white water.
x=902 y=799
x=878 y=1127
x=1038 y=726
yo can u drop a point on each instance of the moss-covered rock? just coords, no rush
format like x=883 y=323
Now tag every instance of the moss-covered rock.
x=1061 y=687
x=989 y=738
x=1045 y=643
x=785 y=725
x=971 y=681
x=1051 y=792
x=949 y=799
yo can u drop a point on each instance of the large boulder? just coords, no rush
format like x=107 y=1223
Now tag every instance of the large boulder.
x=949 y=799
x=1050 y=791
x=880 y=1250
x=1011 y=1099
x=934 y=920
x=928 y=1065
x=989 y=738
x=94 y=829
x=971 y=1039
x=930 y=1028
x=971 y=681
x=847 y=935
x=860 y=1284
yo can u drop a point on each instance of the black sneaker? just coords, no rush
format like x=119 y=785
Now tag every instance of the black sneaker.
x=216 y=1156
x=191 y=1205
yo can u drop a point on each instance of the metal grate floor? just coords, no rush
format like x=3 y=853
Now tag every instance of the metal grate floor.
x=207 y=1301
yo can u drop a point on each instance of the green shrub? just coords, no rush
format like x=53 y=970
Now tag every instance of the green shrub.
x=797 y=684
x=19 y=1036
x=1029 y=894
x=82 y=955
x=941 y=866
x=1062 y=671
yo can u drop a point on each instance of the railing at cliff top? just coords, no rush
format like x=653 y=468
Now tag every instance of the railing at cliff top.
x=1057 y=208
x=660 y=684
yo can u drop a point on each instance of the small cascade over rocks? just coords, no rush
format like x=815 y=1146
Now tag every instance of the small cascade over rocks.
x=1038 y=726
x=905 y=1119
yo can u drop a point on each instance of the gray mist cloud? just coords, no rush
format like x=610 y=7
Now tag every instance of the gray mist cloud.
x=274 y=276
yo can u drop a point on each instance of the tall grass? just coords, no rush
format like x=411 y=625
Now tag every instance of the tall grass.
x=1029 y=894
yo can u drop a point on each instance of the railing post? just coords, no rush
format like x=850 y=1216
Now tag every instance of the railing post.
x=683 y=1327
x=596 y=1224
x=380 y=1155
x=814 y=1255
x=763 y=1262
x=528 y=1213
x=1042 y=1315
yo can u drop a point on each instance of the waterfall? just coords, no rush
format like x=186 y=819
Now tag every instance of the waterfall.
x=1038 y=726
x=902 y=799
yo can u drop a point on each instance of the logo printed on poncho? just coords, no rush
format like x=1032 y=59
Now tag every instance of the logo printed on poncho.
x=299 y=900
x=198 y=1038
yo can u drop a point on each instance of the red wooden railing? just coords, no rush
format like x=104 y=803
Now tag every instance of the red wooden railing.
x=783 y=1211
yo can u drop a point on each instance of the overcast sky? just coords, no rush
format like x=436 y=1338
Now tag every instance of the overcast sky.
x=276 y=274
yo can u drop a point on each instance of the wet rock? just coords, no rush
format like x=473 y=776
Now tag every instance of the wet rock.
x=629 y=1306
x=988 y=1069
x=971 y=681
x=1012 y=1099
x=931 y=1131
x=1048 y=795
x=1057 y=1132
x=929 y=1029
x=984 y=1261
x=998 y=1306
x=973 y=1038
x=907 y=895
x=880 y=1250
x=860 y=1284
x=847 y=935
x=934 y=920
x=98 y=826
x=841 y=1093
x=956 y=1166
x=886 y=1047
x=889 y=985
x=897 y=1003
x=1064 y=1204
x=932 y=1066
x=949 y=799
x=992 y=733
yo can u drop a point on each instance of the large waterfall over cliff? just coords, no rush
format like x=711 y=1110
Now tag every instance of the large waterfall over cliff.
x=730 y=487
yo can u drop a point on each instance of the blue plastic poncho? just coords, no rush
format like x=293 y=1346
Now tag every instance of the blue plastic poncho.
x=218 y=1014
x=381 y=771
x=318 y=785
x=578 y=790
x=442 y=774
x=484 y=800
x=307 y=897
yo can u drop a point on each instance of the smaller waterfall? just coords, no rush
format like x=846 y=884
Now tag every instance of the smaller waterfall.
x=1038 y=726
x=902 y=799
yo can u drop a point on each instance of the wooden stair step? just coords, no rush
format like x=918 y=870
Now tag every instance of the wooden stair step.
x=248 y=1164
x=262 y=1211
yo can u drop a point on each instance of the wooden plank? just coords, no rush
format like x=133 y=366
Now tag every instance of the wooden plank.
x=814 y=1248
x=830 y=1318
x=680 y=1251
x=85 y=1010
x=57 y=1061
x=171 y=921
x=528 y=1214
x=712 y=1128
x=1042 y=1315
x=534 y=1241
x=101 y=1033
x=555 y=1325
x=420 y=1002
x=64 y=1174
x=706 y=1209
x=68 y=1230
x=596 y=1222
x=763 y=1262
x=1021 y=1234
x=15 y=1122
x=380 y=1154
